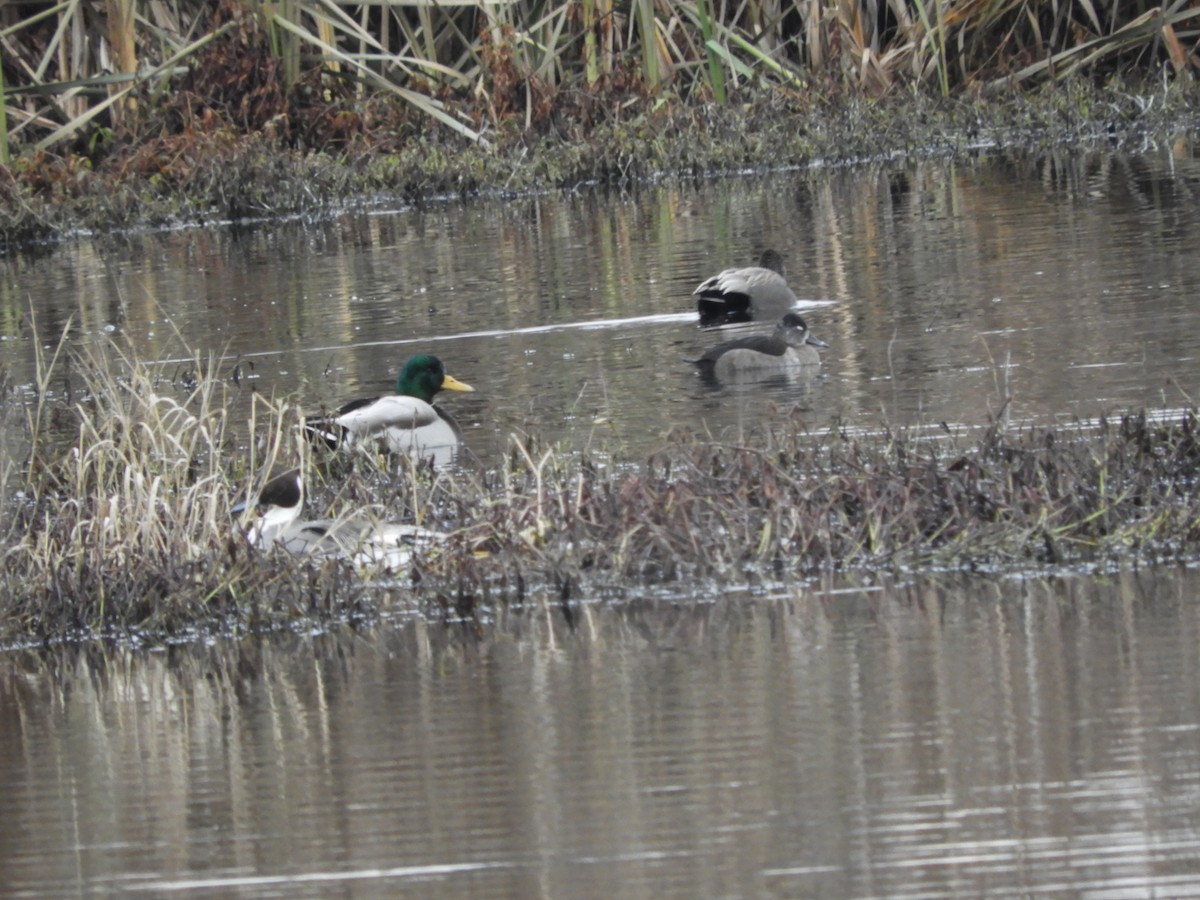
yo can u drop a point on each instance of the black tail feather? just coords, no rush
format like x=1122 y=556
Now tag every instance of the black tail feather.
x=723 y=309
x=325 y=432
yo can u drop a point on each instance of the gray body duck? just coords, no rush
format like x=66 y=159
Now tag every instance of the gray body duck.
x=407 y=422
x=745 y=295
x=276 y=522
x=788 y=347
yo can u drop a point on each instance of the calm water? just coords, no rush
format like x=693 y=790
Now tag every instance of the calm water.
x=936 y=738
x=1065 y=284
x=927 y=740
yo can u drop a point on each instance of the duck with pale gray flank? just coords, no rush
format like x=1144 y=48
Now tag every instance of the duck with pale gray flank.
x=274 y=520
x=790 y=346
x=745 y=295
x=407 y=422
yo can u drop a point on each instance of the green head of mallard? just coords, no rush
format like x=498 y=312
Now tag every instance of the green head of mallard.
x=423 y=376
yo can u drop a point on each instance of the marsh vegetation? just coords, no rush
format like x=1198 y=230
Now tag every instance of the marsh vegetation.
x=119 y=515
x=118 y=113
x=120 y=486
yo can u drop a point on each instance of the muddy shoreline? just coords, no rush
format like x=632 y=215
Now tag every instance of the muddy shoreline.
x=222 y=174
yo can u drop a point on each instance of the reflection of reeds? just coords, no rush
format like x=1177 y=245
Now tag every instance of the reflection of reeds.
x=121 y=519
x=445 y=60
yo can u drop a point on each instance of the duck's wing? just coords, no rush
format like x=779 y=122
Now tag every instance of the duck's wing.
x=311 y=537
x=725 y=297
x=396 y=411
x=734 y=283
x=329 y=430
x=363 y=542
x=740 y=295
x=766 y=344
x=390 y=543
x=713 y=282
x=357 y=404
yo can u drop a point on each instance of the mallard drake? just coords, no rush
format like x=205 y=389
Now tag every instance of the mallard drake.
x=276 y=521
x=788 y=347
x=406 y=422
x=745 y=295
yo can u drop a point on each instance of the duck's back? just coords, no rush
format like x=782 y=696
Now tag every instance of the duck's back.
x=741 y=295
x=358 y=540
x=392 y=411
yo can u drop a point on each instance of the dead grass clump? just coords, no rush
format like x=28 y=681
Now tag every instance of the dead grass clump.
x=88 y=72
x=791 y=504
x=124 y=521
x=119 y=520
x=119 y=113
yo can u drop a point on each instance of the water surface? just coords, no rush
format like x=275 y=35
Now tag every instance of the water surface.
x=1050 y=288
x=932 y=739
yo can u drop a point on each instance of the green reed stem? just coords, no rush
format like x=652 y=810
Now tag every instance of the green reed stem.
x=936 y=30
x=3 y=121
x=716 y=74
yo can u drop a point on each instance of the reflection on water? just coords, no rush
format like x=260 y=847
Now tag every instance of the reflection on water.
x=923 y=740
x=1063 y=282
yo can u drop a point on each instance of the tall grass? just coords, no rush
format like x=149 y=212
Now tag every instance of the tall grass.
x=3 y=121
x=64 y=73
x=123 y=509
x=712 y=50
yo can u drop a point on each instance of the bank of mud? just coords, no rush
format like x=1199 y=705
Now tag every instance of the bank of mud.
x=315 y=159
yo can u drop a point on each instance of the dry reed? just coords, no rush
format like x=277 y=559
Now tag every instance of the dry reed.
x=792 y=504
x=120 y=523
x=76 y=68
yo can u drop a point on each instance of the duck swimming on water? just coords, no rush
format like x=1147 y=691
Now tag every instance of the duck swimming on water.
x=790 y=346
x=745 y=295
x=407 y=422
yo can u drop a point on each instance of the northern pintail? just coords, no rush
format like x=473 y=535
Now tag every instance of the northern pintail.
x=275 y=520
